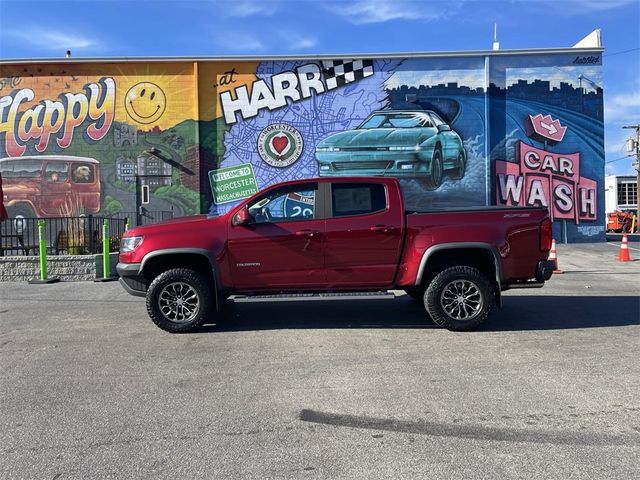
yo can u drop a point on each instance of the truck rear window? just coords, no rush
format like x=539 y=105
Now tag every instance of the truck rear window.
x=357 y=198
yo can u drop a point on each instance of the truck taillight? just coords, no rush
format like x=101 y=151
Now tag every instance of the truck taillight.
x=546 y=235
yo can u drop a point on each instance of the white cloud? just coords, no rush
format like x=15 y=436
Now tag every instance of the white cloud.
x=248 y=8
x=380 y=11
x=299 y=42
x=240 y=42
x=622 y=108
x=571 y=7
x=48 y=39
x=615 y=142
x=246 y=42
x=585 y=6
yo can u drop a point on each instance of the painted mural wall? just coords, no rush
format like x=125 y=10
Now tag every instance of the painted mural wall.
x=74 y=138
x=457 y=131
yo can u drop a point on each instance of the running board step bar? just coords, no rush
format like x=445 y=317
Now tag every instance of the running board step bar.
x=294 y=297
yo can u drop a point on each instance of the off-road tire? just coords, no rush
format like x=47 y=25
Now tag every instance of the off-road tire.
x=196 y=281
x=458 y=172
x=433 y=297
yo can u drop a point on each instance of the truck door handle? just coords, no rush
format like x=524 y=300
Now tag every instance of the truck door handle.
x=381 y=228
x=306 y=233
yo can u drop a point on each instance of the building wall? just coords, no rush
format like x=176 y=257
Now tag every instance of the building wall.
x=527 y=127
x=620 y=193
x=611 y=193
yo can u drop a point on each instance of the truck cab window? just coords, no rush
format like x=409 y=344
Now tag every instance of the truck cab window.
x=349 y=199
x=285 y=205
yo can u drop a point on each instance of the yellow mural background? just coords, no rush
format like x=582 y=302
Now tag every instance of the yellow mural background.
x=191 y=89
x=175 y=80
x=212 y=75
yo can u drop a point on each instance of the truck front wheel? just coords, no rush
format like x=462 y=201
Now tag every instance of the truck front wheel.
x=179 y=300
x=459 y=298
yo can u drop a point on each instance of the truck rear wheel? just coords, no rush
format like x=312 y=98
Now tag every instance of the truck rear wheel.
x=179 y=300
x=459 y=298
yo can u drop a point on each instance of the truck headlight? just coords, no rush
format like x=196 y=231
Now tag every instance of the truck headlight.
x=406 y=166
x=129 y=244
x=325 y=167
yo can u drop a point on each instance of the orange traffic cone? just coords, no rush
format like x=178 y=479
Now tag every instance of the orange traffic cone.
x=624 y=250
x=554 y=256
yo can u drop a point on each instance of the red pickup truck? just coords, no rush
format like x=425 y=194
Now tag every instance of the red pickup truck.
x=336 y=235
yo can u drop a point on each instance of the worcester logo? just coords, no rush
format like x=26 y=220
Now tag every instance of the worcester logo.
x=280 y=145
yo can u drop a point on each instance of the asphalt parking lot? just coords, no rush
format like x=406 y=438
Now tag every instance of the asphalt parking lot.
x=349 y=388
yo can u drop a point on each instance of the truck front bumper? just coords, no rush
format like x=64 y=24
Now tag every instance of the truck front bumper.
x=131 y=279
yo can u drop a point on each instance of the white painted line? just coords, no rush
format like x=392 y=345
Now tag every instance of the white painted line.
x=618 y=246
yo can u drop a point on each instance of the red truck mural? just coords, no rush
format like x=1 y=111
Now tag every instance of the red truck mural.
x=50 y=185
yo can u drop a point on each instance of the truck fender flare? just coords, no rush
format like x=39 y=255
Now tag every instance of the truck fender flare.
x=457 y=245
x=191 y=251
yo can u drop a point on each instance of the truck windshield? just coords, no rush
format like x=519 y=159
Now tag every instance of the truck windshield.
x=397 y=120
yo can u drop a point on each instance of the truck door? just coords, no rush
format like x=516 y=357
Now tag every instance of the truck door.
x=363 y=235
x=283 y=245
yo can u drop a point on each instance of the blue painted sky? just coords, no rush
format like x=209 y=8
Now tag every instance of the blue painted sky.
x=34 y=29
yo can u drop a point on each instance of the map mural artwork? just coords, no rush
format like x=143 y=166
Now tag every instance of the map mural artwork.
x=457 y=131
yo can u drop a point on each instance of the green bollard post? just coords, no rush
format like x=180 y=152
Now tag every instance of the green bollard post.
x=43 y=250
x=105 y=248
x=42 y=247
x=106 y=267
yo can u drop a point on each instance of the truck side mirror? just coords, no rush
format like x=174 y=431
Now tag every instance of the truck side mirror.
x=242 y=217
x=443 y=127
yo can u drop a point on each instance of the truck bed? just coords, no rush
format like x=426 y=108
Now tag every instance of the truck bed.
x=512 y=233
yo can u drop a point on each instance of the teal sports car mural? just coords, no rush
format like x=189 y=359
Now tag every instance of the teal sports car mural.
x=409 y=144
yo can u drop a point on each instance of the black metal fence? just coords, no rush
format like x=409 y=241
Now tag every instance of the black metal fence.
x=146 y=216
x=63 y=235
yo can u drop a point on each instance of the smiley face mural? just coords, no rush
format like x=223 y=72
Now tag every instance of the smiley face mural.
x=145 y=102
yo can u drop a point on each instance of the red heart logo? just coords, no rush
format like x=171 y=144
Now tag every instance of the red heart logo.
x=280 y=143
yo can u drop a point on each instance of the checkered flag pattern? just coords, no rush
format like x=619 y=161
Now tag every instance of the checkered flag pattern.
x=341 y=72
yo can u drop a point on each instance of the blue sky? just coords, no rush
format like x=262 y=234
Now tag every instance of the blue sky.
x=35 y=29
